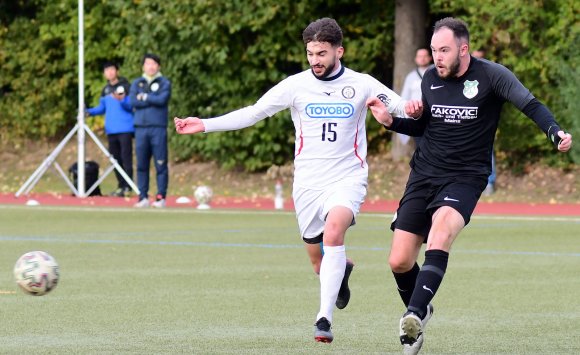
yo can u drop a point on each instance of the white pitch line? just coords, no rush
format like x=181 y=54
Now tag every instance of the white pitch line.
x=186 y=210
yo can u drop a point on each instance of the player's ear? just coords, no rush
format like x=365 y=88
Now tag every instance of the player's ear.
x=464 y=49
x=339 y=51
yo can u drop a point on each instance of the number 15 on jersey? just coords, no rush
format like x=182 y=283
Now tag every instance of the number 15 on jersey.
x=329 y=131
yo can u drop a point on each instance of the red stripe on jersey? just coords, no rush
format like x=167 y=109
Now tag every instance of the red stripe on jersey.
x=301 y=140
x=362 y=162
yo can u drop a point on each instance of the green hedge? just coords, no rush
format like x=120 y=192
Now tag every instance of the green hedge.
x=223 y=55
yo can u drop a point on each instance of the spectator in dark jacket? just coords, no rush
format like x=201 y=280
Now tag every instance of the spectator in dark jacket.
x=114 y=104
x=149 y=97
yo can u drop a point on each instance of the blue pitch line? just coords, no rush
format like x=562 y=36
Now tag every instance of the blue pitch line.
x=262 y=246
x=500 y=252
x=152 y=242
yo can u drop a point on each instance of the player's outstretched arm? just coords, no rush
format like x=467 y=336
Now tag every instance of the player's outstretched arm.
x=189 y=125
x=566 y=141
x=379 y=111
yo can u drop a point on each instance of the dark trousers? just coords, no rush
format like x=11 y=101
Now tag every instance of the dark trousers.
x=121 y=148
x=151 y=142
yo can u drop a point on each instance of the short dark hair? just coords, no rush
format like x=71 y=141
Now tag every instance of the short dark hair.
x=423 y=49
x=458 y=27
x=323 y=30
x=110 y=63
x=153 y=57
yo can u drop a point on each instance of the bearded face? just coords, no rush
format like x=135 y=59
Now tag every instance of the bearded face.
x=323 y=58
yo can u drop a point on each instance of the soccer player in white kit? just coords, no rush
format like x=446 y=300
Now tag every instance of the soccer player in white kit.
x=327 y=104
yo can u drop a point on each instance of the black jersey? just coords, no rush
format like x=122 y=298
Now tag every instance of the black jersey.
x=460 y=118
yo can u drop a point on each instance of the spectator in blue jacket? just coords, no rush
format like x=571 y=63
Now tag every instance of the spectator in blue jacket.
x=114 y=104
x=149 y=97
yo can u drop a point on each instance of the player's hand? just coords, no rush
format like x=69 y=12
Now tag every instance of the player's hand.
x=414 y=108
x=565 y=141
x=379 y=111
x=189 y=125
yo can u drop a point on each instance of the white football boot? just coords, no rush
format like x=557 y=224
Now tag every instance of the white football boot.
x=411 y=331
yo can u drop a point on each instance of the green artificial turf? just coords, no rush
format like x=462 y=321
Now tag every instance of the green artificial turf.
x=179 y=281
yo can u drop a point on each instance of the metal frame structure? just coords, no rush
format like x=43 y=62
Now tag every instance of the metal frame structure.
x=80 y=129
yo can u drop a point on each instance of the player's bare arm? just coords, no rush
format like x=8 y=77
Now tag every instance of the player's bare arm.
x=566 y=142
x=379 y=111
x=189 y=125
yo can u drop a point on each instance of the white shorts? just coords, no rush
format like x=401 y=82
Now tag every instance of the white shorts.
x=312 y=206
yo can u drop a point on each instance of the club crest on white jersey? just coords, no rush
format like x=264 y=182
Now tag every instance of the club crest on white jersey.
x=348 y=92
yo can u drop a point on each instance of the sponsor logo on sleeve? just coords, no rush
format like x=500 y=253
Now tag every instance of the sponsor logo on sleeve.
x=384 y=99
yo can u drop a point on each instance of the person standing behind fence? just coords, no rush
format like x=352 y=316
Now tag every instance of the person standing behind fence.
x=412 y=84
x=490 y=188
x=150 y=96
x=114 y=103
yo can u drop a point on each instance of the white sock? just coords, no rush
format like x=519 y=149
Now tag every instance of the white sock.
x=331 y=275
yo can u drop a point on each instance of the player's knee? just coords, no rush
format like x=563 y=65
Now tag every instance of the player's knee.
x=333 y=235
x=400 y=263
x=440 y=239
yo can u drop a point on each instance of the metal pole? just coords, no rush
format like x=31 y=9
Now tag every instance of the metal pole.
x=33 y=179
x=81 y=110
x=80 y=128
x=113 y=161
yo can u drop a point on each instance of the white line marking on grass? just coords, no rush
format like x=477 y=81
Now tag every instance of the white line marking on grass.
x=146 y=210
x=264 y=212
x=498 y=218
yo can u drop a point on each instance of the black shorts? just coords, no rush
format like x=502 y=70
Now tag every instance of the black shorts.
x=424 y=195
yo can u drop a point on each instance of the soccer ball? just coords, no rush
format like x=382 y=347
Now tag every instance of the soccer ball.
x=203 y=195
x=36 y=273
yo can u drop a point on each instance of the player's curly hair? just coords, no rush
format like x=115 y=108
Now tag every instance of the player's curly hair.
x=458 y=27
x=323 y=30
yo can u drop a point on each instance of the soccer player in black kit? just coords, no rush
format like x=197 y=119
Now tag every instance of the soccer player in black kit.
x=461 y=104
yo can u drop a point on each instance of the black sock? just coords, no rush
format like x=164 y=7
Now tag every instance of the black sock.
x=428 y=281
x=406 y=283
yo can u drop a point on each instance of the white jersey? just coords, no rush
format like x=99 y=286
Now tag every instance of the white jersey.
x=329 y=118
x=412 y=85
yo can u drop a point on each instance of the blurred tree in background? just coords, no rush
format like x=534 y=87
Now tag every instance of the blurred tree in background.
x=222 y=55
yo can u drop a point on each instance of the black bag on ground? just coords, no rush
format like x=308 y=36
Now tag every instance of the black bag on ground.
x=91 y=176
